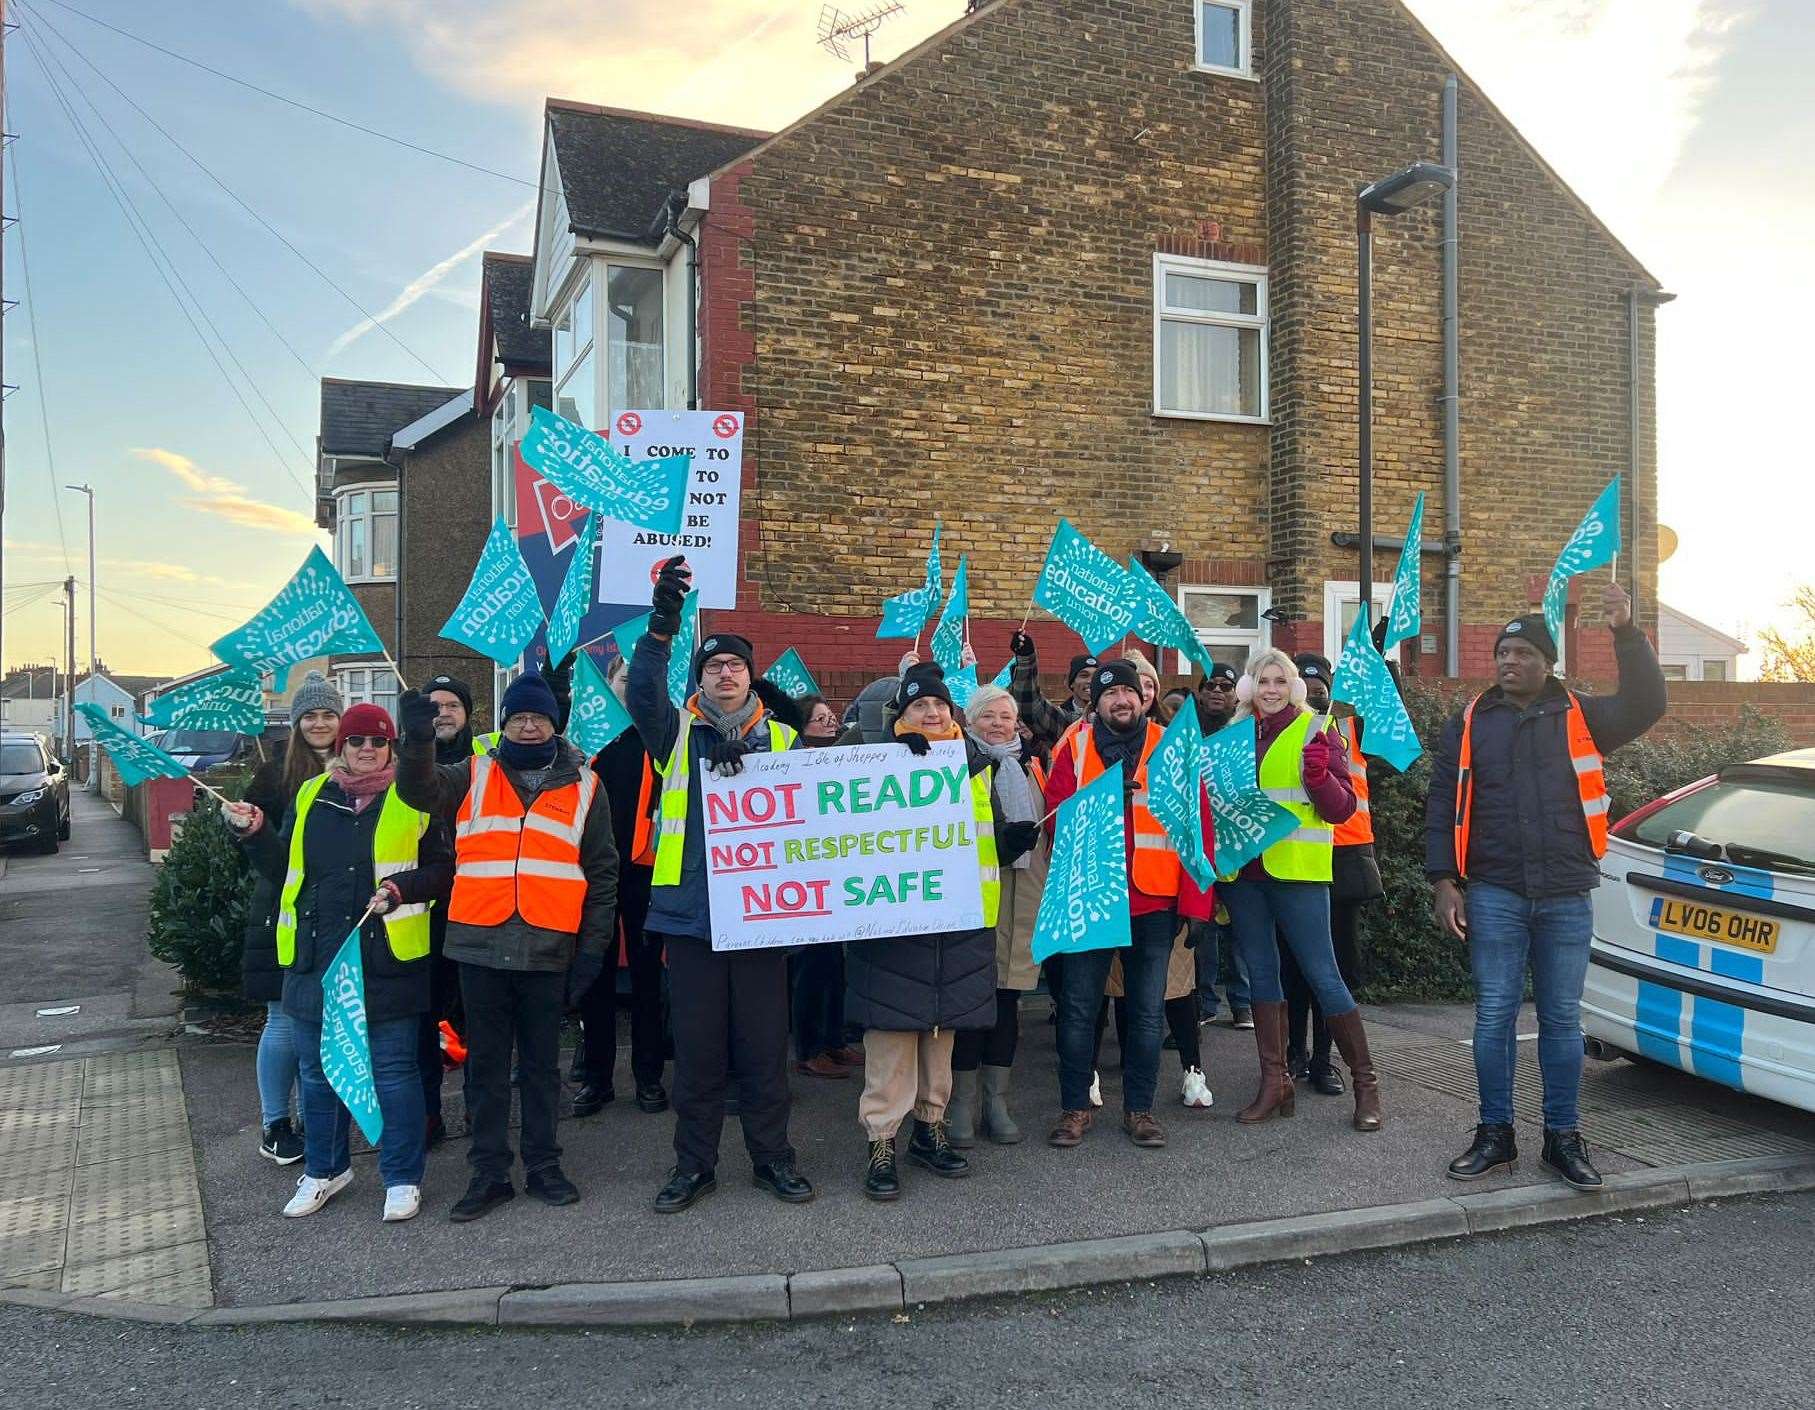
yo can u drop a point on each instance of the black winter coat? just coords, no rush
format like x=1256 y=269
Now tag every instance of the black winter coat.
x=261 y=978
x=338 y=882
x=1526 y=829
x=916 y=983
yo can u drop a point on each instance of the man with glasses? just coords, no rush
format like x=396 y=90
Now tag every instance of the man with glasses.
x=728 y=1010
x=1215 y=947
x=535 y=890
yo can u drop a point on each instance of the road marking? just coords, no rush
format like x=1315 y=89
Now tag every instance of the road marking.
x=83 y=869
x=59 y=1011
x=34 y=1052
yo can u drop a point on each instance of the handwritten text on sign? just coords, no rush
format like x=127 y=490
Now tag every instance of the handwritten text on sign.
x=841 y=844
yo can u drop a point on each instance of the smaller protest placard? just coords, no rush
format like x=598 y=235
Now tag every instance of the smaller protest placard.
x=597 y=715
x=1246 y=822
x=227 y=700
x=1086 y=589
x=501 y=611
x=314 y=614
x=906 y=615
x=1085 y=903
x=346 y=1052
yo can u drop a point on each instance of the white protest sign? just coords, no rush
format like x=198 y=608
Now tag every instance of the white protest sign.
x=818 y=845
x=714 y=442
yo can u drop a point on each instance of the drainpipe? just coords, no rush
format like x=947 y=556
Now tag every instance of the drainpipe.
x=677 y=202
x=1452 y=401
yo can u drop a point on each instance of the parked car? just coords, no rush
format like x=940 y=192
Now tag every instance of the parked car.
x=199 y=749
x=34 y=793
x=1703 y=955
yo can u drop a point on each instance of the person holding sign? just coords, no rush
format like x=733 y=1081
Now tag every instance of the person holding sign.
x=1161 y=893
x=535 y=884
x=352 y=853
x=728 y=1010
x=1518 y=808
x=1303 y=767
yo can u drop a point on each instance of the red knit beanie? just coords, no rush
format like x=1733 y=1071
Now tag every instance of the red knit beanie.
x=364 y=720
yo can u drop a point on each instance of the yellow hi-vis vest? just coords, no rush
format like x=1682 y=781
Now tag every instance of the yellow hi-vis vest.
x=671 y=811
x=394 y=844
x=989 y=866
x=485 y=743
x=1304 y=853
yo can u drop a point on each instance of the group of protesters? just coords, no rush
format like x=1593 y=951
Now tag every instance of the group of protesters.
x=499 y=881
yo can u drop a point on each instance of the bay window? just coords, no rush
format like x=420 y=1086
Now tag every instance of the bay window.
x=365 y=533
x=576 y=375
x=369 y=685
x=633 y=339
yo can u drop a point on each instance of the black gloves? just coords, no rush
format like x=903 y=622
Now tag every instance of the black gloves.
x=582 y=974
x=918 y=744
x=726 y=757
x=779 y=703
x=1197 y=933
x=671 y=586
x=1022 y=644
x=416 y=717
x=560 y=683
x=1014 y=841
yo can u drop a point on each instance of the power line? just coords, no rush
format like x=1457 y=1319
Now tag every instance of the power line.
x=120 y=602
x=240 y=201
x=148 y=242
x=293 y=102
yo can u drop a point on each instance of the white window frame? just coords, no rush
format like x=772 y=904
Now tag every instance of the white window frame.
x=1254 y=638
x=342 y=517
x=1255 y=274
x=510 y=421
x=589 y=281
x=360 y=685
x=1244 y=10
x=1336 y=591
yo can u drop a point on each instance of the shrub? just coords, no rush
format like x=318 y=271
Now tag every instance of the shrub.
x=1408 y=958
x=199 y=904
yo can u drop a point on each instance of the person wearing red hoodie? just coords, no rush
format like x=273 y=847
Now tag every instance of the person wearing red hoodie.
x=1161 y=893
x=1302 y=765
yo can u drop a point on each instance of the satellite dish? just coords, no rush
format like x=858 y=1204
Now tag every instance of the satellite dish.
x=1666 y=542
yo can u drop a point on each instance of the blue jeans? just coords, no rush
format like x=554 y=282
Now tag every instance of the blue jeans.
x=1144 y=982
x=276 y=1065
x=1505 y=932
x=1221 y=960
x=1298 y=911
x=327 y=1124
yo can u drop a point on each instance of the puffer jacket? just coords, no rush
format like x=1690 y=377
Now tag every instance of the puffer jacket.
x=918 y=983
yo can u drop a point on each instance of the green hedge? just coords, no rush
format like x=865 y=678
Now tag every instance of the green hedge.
x=1408 y=959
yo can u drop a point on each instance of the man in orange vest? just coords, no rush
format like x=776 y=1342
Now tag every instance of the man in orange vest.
x=1518 y=810
x=535 y=886
x=1161 y=893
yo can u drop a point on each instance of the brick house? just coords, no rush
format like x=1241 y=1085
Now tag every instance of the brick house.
x=1096 y=258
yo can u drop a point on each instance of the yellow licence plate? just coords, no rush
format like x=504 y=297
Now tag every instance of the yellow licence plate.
x=1716 y=923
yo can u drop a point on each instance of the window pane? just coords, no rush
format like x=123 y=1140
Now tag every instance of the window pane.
x=384 y=501
x=384 y=546
x=1675 y=672
x=1212 y=295
x=1226 y=654
x=563 y=343
x=578 y=397
x=1223 y=611
x=1714 y=670
x=634 y=339
x=582 y=313
x=356 y=504
x=1209 y=369
x=356 y=548
x=1222 y=37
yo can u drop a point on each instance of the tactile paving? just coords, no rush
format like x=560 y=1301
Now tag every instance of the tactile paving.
x=1450 y=1068
x=148 y=1180
x=109 y=1132
x=45 y=1086
x=117 y=1237
x=24 y=1129
x=132 y=1077
x=30 y=1253
x=51 y=1148
x=181 y=1264
x=25 y=1214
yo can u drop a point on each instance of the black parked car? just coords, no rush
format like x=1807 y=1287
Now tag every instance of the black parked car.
x=34 y=793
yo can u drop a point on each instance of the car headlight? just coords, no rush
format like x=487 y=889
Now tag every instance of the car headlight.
x=26 y=799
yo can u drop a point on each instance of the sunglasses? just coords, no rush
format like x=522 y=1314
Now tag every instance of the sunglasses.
x=1218 y=685
x=365 y=741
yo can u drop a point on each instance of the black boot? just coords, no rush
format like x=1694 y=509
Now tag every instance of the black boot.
x=1567 y=1153
x=1494 y=1147
x=482 y=1196
x=880 y=1181
x=930 y=1147
x=683 y=1190
x=1298 y=1067
x=781 y=1179
x=1323 y=1077
x=591 y=1099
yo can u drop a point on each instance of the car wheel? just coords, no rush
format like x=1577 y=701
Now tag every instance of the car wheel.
x=63 y=829
x=48 y=844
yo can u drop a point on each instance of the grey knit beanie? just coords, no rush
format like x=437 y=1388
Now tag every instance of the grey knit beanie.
x=315 y=694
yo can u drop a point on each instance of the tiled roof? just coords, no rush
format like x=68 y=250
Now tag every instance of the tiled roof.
x=358 y=418
x=506 y=280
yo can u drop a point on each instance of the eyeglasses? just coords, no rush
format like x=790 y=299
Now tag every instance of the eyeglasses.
x=365 y=741
x=733 y=667
x=1219 y=685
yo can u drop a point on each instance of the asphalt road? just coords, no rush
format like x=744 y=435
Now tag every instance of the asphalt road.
x=1707 y=1306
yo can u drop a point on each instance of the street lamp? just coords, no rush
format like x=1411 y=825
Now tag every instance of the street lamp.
x=1389 y=196
x=94 y=654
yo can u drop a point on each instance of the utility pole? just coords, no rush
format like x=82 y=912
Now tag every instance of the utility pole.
x=69 y=693
x=4 y=139
x=94 y=651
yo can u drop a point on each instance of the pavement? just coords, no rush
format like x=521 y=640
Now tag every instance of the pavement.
x=1220 y=1195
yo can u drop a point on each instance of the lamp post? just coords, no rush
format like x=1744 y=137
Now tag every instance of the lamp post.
x=94 y=654
x=1388 y=196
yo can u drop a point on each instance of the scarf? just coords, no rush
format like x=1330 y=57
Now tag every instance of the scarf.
x=732 y=724
x=951 y=731
x=361 y=789
x=1014 y=798
x=526 y=758
x=1123 y=749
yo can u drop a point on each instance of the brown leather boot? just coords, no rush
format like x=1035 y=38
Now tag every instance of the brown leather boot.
x=1352 y=1042
x=1276 y=1096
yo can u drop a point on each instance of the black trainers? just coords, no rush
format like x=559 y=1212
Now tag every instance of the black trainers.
x=930 y=1147
x=1494 y=1147
x=550 y=1186
x=881 y=1181
x=281 y=1143
x=781 y=1179
x=1567 y=1153
x=684 y=1190
x=482 y=1196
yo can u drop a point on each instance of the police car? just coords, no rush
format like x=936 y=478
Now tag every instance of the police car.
x=1703 y=955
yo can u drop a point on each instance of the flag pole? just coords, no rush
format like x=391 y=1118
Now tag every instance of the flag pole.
x=402 y=685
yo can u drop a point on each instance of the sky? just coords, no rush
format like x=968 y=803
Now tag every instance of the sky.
x=1678 y=121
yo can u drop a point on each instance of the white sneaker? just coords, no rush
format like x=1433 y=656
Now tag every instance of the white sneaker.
x=1195 y=1091
x=402 y=1202
x=311 y=1194
x=1096 y=1089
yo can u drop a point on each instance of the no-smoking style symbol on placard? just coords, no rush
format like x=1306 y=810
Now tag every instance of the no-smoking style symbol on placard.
x=725 y=427
x=629 y=424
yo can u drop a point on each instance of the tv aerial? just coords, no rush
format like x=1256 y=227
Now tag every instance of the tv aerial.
x=837 y=29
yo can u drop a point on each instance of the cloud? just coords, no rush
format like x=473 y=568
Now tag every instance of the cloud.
x=166 y=572
x=226 y=499
x=425 y=282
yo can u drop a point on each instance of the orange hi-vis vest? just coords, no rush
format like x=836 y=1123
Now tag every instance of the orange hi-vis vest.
x=507 y=862
x=1591 y=781
x=1156 y=868
x=1358 y=828
x=642 y=842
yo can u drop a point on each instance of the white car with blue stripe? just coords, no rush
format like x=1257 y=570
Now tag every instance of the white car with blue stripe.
x=1703 y=955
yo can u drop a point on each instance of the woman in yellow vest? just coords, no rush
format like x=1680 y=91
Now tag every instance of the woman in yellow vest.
x=349 y=845
x=1303 y=766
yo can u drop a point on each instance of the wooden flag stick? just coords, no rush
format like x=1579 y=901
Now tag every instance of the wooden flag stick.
x=402 y=685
